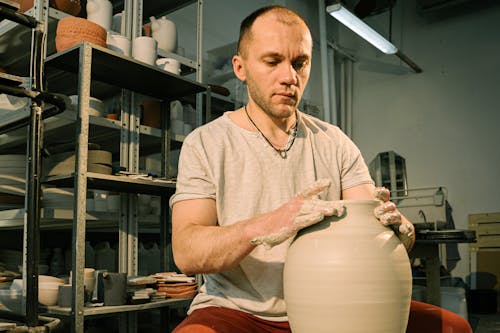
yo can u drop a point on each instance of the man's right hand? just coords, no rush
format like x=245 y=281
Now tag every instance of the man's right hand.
x=303 y=210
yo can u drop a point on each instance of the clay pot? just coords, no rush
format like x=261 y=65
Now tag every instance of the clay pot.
x=349 y=275
x=72 y=7
x=151 y=113
x=74 y=30
x=165 y=33
x=100 y=12
x=24 y=5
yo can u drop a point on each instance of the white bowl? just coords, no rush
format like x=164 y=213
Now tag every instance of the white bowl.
x=49 y=278
x=47 y=293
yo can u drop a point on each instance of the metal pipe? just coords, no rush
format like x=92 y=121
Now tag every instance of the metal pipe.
x=34 y=144
x=324 y=61
x=408 y=61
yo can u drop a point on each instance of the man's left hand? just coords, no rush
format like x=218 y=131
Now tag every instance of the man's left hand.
x=388 y=215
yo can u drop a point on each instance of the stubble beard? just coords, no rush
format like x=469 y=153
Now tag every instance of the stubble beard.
x=256 y=95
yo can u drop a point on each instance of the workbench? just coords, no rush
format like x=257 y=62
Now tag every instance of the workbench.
x=427 y=248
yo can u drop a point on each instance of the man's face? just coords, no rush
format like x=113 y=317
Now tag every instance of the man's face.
x=275 y=63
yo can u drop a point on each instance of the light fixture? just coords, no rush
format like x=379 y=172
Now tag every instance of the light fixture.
x=361 y=28
x=354 y=23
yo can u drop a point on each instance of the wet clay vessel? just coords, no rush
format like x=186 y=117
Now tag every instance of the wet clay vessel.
x=349 y=275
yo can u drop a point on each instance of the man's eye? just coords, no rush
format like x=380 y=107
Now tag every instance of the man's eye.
x=272 y=62
x=298 y=65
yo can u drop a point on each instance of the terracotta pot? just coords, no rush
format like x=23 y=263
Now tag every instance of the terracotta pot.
x=72 y=7
x=74 y=30
x=348 y=274
x=151 y=113
x=24 y=5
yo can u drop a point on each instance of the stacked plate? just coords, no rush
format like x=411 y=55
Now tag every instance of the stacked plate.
x=98 y=161
x=13 y=174
x=96 y=106
x=175 y=285
x=54 y=197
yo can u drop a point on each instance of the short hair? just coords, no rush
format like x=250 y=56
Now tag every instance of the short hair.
x=247 y=23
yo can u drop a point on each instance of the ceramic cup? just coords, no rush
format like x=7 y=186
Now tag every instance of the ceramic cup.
x=177 y=126
x=118 y=43
x=116 y=22
x=187 y=129
x=114 y=288
x=170 y=65
x=64 y=295
x=176 y=110
x=144 y=49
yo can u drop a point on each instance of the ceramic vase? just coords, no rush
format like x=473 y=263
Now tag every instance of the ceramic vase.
x=349 y=275
x=100 y=12
x=165 y=33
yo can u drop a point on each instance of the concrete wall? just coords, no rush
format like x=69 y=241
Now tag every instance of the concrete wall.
x=444 y=121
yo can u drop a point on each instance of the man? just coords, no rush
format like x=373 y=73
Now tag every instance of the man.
x=235 y=210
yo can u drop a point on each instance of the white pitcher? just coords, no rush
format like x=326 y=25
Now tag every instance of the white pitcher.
x=165 y=33
x=100 y=12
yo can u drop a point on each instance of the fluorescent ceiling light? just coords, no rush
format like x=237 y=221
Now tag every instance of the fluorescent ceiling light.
x=361 y=28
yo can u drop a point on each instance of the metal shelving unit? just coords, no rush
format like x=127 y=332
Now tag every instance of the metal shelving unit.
x=96 y=63
x=82 y=69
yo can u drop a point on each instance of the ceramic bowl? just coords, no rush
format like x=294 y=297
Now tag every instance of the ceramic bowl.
x=49 y=279
x=74 y=30
x=47 y=292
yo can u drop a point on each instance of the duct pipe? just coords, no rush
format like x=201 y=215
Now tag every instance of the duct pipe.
x=324 y=62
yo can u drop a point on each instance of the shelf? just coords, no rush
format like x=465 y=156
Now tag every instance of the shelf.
x=154 y=7
x=58 y=218
x=61 y=128
x=122 y=71
x=115 y=183
x=188 y=66
x=57 y=310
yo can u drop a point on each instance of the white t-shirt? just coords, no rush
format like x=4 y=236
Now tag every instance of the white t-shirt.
x=246 y=177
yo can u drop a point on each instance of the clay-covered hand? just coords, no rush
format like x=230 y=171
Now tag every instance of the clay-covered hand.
x=388 y=215
x=303 y=210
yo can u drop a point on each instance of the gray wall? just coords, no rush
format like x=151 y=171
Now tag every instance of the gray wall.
x=444 y=121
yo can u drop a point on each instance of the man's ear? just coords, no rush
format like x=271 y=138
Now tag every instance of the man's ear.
x=238 y=67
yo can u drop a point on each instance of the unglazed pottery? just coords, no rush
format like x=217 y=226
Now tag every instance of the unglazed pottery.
x=144 y=49
x=24 y=5
x=165 y=33
x=71 y=7
x=348 y=275
x=100 y=12
x=74 y=30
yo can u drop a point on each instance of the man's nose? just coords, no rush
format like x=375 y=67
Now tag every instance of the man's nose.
x=288 y=74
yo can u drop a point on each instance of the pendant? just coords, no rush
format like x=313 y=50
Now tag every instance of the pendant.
x=282 y=153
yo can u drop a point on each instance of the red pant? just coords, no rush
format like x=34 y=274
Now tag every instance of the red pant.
x=424 y=318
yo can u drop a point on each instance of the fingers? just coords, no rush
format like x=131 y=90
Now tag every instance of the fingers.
x=406 y=229
x=303 y=221
x=273 y=239
x=315 y=189
x=390 y=218
x=386 y=207
x=387 y=213
x=382 y=193
x=327 y=208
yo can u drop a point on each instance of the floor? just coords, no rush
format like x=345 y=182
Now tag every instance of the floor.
x=485 y=323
